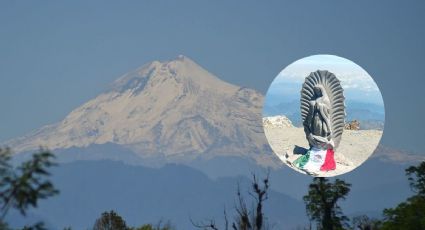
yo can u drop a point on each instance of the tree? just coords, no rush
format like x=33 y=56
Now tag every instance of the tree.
x=159 y=226
x=411 y=213
x=23 y=186
x=322 y=203
x=110 y=221
x=246 y=219
x=363 y=222
x=416 y=177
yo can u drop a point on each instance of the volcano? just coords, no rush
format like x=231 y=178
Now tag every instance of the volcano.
x=173 y=109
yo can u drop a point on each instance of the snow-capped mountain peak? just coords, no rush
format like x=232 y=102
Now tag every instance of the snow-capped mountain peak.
x=173 y=108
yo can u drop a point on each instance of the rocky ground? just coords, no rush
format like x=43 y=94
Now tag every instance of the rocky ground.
x=355 y=147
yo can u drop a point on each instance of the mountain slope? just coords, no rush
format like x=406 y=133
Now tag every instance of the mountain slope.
x=175 y=109
x=145 y=195
x=172 y=111
x=178 y=112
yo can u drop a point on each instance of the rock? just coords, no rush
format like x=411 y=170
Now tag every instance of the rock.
x=355 y=147
x=352 y=125
x=279 y=121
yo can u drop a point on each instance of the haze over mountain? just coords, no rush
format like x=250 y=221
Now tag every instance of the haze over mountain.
x=371 y=116
x=173 y=110
x=147 y=195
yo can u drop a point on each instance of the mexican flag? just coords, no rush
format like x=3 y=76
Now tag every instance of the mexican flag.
x=316 y=159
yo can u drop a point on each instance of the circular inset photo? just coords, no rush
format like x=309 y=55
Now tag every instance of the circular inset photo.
x=323 y=115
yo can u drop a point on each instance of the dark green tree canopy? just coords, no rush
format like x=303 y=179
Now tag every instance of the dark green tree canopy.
x=110 y=221
x=364 y=222
x=113 y=221
x=411 y=213
x=159 y=226
x=21 y=187
x=322 y=203
x=416 y=177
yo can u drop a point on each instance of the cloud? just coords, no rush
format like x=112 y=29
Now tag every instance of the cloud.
x=357 y=83
x=351 y=75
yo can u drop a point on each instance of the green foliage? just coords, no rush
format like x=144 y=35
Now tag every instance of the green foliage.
x=363 y=222
x=4 y=226
x=23 y=186
x=159 y=226
x=144 y=227
x=407 y=215
x=37 y=226
x=322 y=203
x=416 y=177
x=110 y=221
x=411 y=213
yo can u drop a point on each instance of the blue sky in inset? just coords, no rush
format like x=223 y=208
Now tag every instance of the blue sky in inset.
x=358 y=85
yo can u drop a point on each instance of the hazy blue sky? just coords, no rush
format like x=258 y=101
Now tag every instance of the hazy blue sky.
x=55 y=55
x=358 y=85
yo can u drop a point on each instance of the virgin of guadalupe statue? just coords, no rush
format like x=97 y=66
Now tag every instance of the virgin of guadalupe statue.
x=317 y=123
x=323 y=114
